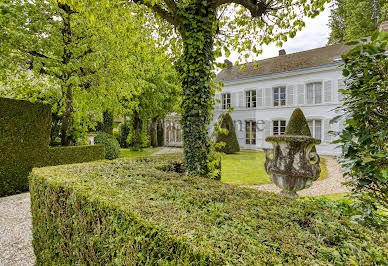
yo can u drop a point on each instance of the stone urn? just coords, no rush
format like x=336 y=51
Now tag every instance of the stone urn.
x=292 y=163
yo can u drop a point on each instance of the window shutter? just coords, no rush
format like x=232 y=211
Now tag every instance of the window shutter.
x=267 y=130
x=327 y=91
x=259 y=97
x=290 y=95
x=341 y=85
x=218 y=105
x=241 y=99
x=326 y=128
x=233 y=100
x=268 y=97
x=300 y=94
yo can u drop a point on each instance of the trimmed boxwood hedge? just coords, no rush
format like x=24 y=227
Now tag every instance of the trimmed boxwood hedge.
x=24 y=134
x=130 y=212
x=72 y=154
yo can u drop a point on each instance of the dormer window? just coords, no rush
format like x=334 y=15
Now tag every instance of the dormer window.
x=225 y=101
x=314 y=93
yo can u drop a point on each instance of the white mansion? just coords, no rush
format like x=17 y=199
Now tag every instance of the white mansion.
x=264 y=98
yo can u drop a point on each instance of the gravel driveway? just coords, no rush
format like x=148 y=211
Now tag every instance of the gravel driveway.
x=15 y=216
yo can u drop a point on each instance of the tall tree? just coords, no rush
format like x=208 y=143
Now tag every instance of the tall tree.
x=201 y=28
x=353 y=19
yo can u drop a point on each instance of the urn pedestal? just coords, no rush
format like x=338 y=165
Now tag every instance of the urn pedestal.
x=292 y=163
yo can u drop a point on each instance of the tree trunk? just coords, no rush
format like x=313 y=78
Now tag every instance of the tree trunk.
x=67 y=119
x=154 y=132
x=138 y=126
x=197 y=99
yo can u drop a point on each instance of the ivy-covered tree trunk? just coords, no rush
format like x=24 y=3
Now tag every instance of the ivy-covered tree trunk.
x=197 y=99
x=67 y=119
x=138 y=126
x=154 y=132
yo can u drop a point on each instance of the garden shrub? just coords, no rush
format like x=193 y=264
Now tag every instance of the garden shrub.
x=24 y=135
x=123 y=134
x=364 y=138
x=112 y=147
x=127 y=212
x=230 y=139
x=72 y=154
x=298 y=124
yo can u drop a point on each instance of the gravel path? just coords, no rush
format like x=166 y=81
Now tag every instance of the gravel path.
x=15 y=216
x=15 y=231
x=332 y=184
x=165 y=150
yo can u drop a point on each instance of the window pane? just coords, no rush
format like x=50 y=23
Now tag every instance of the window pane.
x=309 y=93
x=318 y=129
x=318 y=93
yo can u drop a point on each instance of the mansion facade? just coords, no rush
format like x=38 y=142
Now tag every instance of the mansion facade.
x=264 y=96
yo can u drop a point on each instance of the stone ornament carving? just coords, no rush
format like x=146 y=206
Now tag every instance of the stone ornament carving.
x=293 y=165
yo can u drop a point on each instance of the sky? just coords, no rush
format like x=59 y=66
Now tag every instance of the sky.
x=315 y=34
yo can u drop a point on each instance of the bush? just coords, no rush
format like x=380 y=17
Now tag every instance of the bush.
x=298 y=124
x=364 y=139
x=72 y=154
x=230 y=139
x=24 y=135
x=112 y=147
x=127 y=212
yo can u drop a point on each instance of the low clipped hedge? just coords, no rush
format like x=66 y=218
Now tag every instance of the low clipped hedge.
x=24 y=135
x=72 y=154
x=139 y=212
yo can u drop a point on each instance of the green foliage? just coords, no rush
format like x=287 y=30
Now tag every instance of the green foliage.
x=129 y=212
x=229 y=137
x=298 y=124
x=112 y=147
x=354 y=19
x=107 y=123
x=71 y=154
x=24 y=136
x=365 y=114
x=124 y=130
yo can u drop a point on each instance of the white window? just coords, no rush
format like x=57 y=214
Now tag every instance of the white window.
x=250 y=97
x=279 y=96
x=250 y=132
x=314 y=93
x=225 y=101
x=315 y=128
x=279 y=126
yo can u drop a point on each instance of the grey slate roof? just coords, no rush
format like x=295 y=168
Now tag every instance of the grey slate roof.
x=310 y=58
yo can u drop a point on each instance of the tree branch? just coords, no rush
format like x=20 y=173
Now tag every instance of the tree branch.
x=256 y=7
x=172 y=18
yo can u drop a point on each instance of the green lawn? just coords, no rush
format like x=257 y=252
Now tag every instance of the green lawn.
x=129 y=153
x=247 y=168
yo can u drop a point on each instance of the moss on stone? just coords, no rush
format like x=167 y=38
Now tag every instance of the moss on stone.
x=230 y=139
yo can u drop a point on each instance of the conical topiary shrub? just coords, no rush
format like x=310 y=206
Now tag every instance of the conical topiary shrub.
x=298 y=125
x=230 y=139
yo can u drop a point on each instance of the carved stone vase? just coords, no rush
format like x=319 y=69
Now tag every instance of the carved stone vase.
x=292 y=163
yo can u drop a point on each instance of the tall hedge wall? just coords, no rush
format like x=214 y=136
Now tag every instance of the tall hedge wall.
x=127 y=212
x=24 y=134
x=72 y=154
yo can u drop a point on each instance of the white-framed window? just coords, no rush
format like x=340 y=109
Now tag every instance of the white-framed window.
x=250 y=97
x=279 y=96
x=278 y=127
x=250 y=132
x=314 y=93
x=315 y=126
x=225 y=101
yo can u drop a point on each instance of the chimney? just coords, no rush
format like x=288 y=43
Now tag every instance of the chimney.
x=229 y=64
x=384 y=26
x=282 y=52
